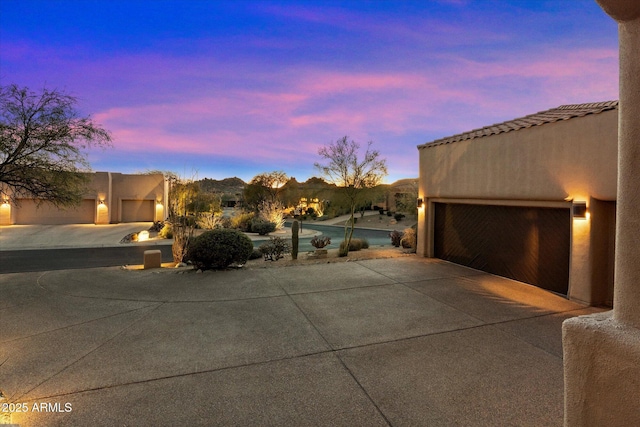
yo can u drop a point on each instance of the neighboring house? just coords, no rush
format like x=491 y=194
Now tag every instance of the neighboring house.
x=110 y=198
x=533 y=199
x=401 y=194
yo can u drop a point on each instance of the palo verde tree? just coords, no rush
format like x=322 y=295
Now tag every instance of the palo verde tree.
x=42 y=138
x=354 y=177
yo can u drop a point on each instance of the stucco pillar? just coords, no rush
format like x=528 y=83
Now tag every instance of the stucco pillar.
x=602 y=352
x=627 y=283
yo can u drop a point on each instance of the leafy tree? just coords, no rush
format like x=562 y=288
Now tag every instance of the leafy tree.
x=41 y=141
x=353 y=176
x=264 y=187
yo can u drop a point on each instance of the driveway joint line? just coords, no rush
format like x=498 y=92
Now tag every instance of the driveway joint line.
x=76 y=324
x=93 y=350
x=335 y=354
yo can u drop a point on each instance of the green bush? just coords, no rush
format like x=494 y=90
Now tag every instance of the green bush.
x=219 y=249
x=398 y=216
x=262 y=227
x=256 y=254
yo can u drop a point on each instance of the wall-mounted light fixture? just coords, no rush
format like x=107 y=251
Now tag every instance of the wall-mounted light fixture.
x=101 y=202
x=419 y=202
x=580 y=210
x=5 y=201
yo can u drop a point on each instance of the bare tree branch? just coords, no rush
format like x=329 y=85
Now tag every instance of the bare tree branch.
x=353 y=176
x=41 y=143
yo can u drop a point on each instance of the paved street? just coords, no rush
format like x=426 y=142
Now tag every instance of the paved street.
x=43 y=248
x=71 y=258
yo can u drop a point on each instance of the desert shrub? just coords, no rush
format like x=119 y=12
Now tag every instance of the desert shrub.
x=156 y=226
x=242 y=221
x=389 y=213
x=320 y=242
x=209 y=221
x=396 y=237
x=262 y=227
x=225 y=222
x=398 y=216
x=273 y=212
x=219 y=249
x=274 y=249
x=131 y=237
x=365 y=243
x=408 y=240
x=354 y=245
x=166 y=232
x=255 y=254
x=381 y=211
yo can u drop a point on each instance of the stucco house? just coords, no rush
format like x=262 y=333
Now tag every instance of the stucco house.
x=110 y=198
x=533 y=199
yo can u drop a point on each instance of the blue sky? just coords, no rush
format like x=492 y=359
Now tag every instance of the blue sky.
x=236 y=88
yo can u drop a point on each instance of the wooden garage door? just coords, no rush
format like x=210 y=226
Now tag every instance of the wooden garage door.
x=28 y=212
x=531 y=245
x=137 y=210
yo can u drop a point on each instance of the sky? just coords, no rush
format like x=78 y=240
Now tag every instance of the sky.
x=216 y=89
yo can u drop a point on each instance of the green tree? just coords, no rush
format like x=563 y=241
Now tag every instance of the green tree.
x=42 y=138
x=354 y=177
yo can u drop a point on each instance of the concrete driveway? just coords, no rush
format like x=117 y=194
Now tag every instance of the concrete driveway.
x=401 y=341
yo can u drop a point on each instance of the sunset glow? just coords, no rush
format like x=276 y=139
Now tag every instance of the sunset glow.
x=237 y=88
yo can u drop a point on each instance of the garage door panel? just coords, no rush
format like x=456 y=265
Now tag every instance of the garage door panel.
x=137 y=210
x=28 y=211
x=527 y=244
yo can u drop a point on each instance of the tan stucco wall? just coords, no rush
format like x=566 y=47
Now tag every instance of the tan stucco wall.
x=602 y=352
x=107 y=190
x=137 y=187
x=574 y=159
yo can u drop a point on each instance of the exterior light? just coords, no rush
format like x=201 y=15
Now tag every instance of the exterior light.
x=5 y=201
x=580 y=210
x=419 y=202
x=101 y=202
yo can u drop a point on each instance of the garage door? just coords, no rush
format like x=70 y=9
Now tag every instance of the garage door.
x=28 y=212
x=137 y=210
x=531 y=245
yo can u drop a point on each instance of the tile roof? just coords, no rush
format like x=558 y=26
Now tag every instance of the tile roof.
x=563 y=112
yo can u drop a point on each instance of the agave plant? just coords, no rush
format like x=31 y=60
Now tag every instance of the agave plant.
x=320 y=242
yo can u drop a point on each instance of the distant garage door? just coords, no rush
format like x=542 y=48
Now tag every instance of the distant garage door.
x=137 y=210
x=28 y=212
x=528 y=244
